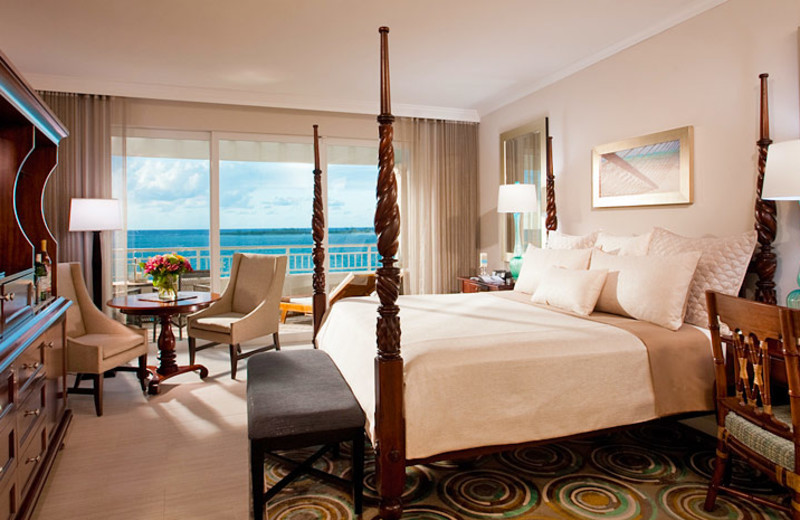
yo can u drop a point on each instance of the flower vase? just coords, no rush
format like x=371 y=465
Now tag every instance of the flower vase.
x=167 y=287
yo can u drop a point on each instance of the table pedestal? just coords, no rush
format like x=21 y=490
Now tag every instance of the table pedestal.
x=167 y=366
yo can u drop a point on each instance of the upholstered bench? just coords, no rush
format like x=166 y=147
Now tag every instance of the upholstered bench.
x=297 y=399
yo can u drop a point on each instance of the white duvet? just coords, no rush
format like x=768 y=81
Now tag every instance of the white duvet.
x=491 y=369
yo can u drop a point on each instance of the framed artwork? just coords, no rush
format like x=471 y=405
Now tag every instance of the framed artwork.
x=650 y=170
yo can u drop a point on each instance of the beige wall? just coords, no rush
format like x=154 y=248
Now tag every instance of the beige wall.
x=155 y=114
x=703 y=73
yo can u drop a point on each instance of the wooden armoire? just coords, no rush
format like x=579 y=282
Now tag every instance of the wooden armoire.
x=34 y=417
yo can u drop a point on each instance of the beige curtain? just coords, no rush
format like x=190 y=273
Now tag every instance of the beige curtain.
x=439 y=173
x=83 y=171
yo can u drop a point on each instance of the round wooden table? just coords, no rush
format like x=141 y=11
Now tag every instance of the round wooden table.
x=148 y=304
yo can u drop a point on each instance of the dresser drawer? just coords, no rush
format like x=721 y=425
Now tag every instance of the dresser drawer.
x=16 y=299
x=9 y=499
x=31 y=411
x=29 y=365
x=8 y=450
x=31 y=458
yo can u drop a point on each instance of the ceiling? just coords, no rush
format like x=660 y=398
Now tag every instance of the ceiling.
x=450 y=59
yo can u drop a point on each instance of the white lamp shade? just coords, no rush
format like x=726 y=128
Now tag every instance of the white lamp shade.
x=94 y=215
x=782 y=172
x=517 y=198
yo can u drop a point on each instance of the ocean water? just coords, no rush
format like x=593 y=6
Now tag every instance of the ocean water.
x=348 y=248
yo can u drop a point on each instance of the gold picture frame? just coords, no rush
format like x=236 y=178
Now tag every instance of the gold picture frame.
x=651 y=170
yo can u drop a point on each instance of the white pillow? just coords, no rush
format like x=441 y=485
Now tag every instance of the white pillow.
x=558 y=240
x=572 y=290
x=625 y=245
x=536 y=260
x=648 y=288
x=722 y=266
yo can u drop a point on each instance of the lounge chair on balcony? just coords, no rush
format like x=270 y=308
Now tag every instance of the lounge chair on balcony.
x=354 y=284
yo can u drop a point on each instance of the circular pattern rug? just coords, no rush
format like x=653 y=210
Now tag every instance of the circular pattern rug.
x=654 y=471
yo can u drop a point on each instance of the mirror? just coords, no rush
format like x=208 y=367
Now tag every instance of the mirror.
x=523 y=159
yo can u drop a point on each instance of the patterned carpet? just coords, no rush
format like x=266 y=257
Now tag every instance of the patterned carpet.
x=653 y=471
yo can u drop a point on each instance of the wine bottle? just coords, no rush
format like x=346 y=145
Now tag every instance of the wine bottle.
x=46 y=283
x=39 y=272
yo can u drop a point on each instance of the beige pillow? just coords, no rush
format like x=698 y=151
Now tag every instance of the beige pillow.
x=648 y=288
x=558 y=240
x=536 y=260
x=722 y=266
x=624 y=245
x=572 y=290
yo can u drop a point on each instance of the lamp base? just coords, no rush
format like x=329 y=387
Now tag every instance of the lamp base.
x=515 y=266
x=793 y=299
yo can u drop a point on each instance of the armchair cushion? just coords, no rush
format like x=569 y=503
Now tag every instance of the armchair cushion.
x=218 y=323
x=767 y=444
x=110 y=344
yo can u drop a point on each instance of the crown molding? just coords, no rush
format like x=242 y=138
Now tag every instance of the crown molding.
x=239 y=97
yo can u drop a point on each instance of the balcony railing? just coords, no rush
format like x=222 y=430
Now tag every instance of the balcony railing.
x=342 y=257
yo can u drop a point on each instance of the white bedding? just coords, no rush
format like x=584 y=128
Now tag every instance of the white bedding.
x=496 y=371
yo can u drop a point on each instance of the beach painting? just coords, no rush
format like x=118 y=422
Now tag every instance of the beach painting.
x=651 y=170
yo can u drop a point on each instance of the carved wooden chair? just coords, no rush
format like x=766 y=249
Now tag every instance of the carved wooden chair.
x=249 y=308
x=757 y=418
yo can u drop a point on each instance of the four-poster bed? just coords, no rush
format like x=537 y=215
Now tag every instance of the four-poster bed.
x=395 y=447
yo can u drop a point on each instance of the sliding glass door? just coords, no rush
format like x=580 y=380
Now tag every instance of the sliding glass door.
x=208 y=196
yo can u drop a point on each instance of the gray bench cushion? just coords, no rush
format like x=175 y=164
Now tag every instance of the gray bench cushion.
x=298 y=398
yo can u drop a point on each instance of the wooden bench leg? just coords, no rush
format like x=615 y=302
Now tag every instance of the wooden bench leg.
x=358 y=472
x=257 y=480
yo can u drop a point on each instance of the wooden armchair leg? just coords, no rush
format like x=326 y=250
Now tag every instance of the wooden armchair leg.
x=78 y=378
x=277 y=342
x=234 y=349
x=192 y=349
x=142 y=372
x=98 y=393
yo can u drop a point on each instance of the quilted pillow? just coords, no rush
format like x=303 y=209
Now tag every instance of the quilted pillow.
x=572 y=290
x=624 y=245
x=535 y=261
x=648 y=288
x=558 y=240
x=722 y=266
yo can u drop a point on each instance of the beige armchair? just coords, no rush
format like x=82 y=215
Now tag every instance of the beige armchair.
x=95 y=342
x=249 y=308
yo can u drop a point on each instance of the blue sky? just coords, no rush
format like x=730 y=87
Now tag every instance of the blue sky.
x=174 y=194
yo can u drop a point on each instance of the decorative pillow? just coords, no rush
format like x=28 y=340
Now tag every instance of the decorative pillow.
x=536 y=260
x=625 y=245
x=572 y=290
x=722 y=266
x=648 y=288
x=558 y=240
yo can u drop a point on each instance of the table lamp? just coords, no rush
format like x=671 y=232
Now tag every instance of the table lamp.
x=782 y=182
x=95 y=215
x=517 y=199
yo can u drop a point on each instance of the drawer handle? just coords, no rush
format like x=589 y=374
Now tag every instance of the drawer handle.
x=32 y=412
x=31 y=365
x=33 y=459
x=7 y=297
x=49 y=344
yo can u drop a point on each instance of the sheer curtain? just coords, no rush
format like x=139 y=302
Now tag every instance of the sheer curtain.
x=83 y=171
x=439 y=174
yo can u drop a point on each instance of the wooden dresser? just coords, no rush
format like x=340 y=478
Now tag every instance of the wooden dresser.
x=33 y=410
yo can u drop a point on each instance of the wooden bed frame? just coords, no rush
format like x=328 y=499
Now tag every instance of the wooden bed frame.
x=389 y=442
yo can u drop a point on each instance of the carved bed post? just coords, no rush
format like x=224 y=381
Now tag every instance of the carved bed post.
x=319 y=300
x=765 y=261
x=551 y=221
x=390 y=449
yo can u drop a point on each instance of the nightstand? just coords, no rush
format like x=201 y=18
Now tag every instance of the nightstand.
x=468 y=285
